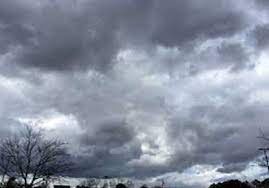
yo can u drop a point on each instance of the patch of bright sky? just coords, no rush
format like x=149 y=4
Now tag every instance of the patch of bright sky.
x=205 y=175
x=13 y=85
x=56 y=124
x=262 y=68
x=159 y=154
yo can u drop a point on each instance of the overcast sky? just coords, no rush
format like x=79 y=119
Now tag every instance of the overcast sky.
x=174 y=89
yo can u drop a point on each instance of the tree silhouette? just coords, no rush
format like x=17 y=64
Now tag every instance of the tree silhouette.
x=264 y=162
x=32 y=158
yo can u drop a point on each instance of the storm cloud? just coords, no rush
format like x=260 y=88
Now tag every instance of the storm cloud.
x=139 y=88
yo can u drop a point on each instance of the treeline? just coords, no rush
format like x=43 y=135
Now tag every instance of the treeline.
x=239 y=184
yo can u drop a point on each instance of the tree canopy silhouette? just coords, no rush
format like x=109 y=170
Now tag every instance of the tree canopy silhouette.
x=32 y=158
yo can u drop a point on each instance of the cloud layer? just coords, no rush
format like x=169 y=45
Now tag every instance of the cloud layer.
x=139 y=88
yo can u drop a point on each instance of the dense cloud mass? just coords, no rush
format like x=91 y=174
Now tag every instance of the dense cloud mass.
x=138 y=88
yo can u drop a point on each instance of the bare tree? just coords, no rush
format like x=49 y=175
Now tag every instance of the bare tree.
x=32 y=158
x=264 y=162
x=4 y=166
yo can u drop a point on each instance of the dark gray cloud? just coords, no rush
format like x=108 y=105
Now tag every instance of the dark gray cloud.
x=58 y=36
x=138 y=88
x=234 y=54
x=107 y=150
x=179 y=22
x=260 y=36
x=262 y=3
x=238 y=167
x=54 y=35
x=13 y=31
x=225 y=134
x=110 y=134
